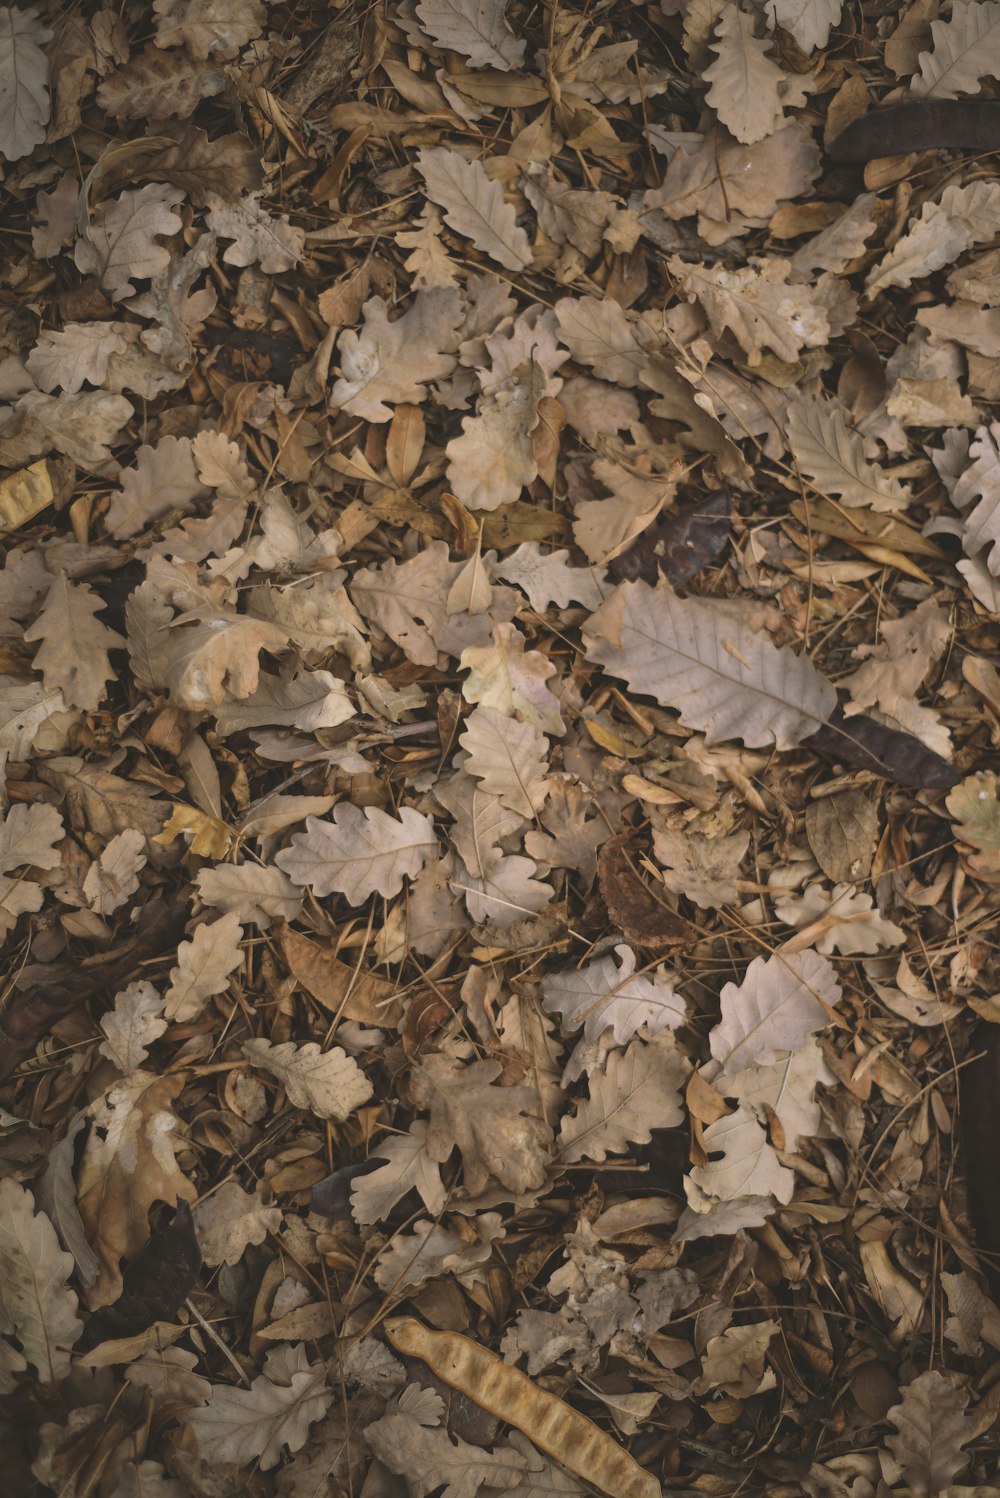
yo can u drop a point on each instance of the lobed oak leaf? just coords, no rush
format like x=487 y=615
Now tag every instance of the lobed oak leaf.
x=719 y=675
x=82 y=426
x=216 y=659
x=501 y=888
x=229 y=1220
x=330 y=1083
x=781 y=1001
x=567 y=214
x=157 y=85
x=318 y=616
x=604 y=996
x=37 y=1307
x=490 y=1126
x=99 y=801
x=808 y=21
x=746 y=1166
x=28 y=834
x=547 y=577
x=259 y=237
x=975 y=808
x=735 y=1361
x=74 y=355
x=493 y=460
x=702 y=868
x=931 y=1429
x=759 y=305
x=965 y=48
x=834 y=458
x=843 y=919
x=430 y=1458
x=206 y=26
x=745 y=84
x=161 y=480
x=204 y=965
x=638 y=1091
x=74 y=651
x=787 y=1087
x=407 y=1166
x=977 y=490
x=395 y=361
x=511 y=679
x=721 y=178
x=24 y=82
x=474 y=206
x=132 y=1026
x=309 y=700
x=238 y=1426
x=250 y=892
x=962 y=217
x=508 y=758
x=114 y=877
x=476 y=29
x=893 y=670
x=120 y=240
x=433 y=1250
x=360 y=851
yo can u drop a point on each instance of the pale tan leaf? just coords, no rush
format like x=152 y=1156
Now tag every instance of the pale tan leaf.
x=430 y=1458
x=702 y=868
x=83 y=426
x=931 y=1429
x=604 y=995
x=787 y=1087
x=735 y=1361
x=407 y=1167
x=17 y=896
x=239 y=1426
x=547 y=577
x=121 y=237
x=749 y=1166
x=229 y=1221
x=204 y=965
x=978 y=487
x=74 y=355
x=759 y=305
x=100 y=801
x=474 y=206
x=809 y=21
x=843 y=919
x=494 y=1128
x=24 y=82
x=428 y=261
x=37 y=1307
x=511 y=679
x=148 y=1480
x=318 y=617
x=205 y=26
x=717 y=673
x=638 y=1091
x=74 y=652
x=146 y=620
x=962 y=217
x=25 y=706
x=157 y=85
x=132 y=1026
x=251 y=892
x=259 y=237
x=162 y=479
x=781 y=1001
x=975 y=808
x=744 y=81
x=431 y=1250
x=217 y=659
x=329 y=1083
x=834 y=458
x=599 y=334
x=395 y=361
x=28 y=834
x=476 y=29
x=568 y=214
x=894 y=669
x=360 y=851
x=308 y=700
x=508 y=758
x=965 y=48
x=114 y=877
x=494 y=460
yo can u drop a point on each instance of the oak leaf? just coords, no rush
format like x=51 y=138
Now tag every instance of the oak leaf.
x=161 y=480
x=781 y=1001
x=158 y=85
x=638 y=1091
x=360 y=851
x=229 y=1221
x=474 y=206
x=490 y=1126
x=238 y=1426
x=976 y=810
x=75 y=645
x=408 y=1166
x=430 y=1458
x=128 y=1164
x=717 y=673
x=24 y=82
x=808 y=21
x=834 y=458
x=252 y=892
x=74 y=355
x=494 y=459
x=213 y=660
x=931 y=1429
x=259 y=237
x=965 y=48
x=330 y=1083
x=745 y=83
x=508 y=758
x=120 y=240
x=476 y=29
x=205 y=26
x=37 y=1307
x=511 y=679
x=702 y=868
x=603 y=996
x=748 y=1167
x=114 y=877
x=132 y=1026
x=395 y=361
x=204 y=965
x=28 y=834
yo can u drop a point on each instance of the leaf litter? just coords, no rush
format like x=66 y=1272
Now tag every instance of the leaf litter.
x=498 y=710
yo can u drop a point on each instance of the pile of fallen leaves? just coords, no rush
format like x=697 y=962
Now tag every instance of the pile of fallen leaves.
x=500 y=859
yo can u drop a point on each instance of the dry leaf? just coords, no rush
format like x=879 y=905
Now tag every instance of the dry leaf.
x=229 y=1221
x=204 y=965
x=328 y=1083
x=720 y=675
x=604 y=996
x=931 y=1429
x=781 y=1001
x=395 y=361
x=745 y=83
x=205 y=26
x=491 y=1126
x=507 y=758
x=121 y=238
x=37 y=1307
x=74 y=652
x=833 y=458
x=360 y=851
x=24 y=82
x=477 y=29
x=132 y=1026
x=238 y=1426
x=474 y=206
x=637 y=1092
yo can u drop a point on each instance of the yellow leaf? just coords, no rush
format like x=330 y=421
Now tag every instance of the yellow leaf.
x=210 y=838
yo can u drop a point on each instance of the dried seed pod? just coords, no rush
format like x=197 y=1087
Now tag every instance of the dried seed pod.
x=553 y=1425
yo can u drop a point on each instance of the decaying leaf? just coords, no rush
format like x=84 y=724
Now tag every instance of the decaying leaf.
x=239 y=1426
x=38 y=1320
x=330 y=1083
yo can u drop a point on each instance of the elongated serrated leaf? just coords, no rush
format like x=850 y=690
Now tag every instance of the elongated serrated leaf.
x=720 y=676
x=474 y=206
x=359 y=851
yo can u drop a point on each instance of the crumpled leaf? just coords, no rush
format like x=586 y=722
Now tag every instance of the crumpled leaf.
x=259 y=238
x=37 y=1307
x=205 y=26
x=240 y=1425
x=494 y=459
x=702 y=868
x=492 y=1127
x=230 y=1220
x=962 y=217
x=476 y=29
x=330 y=1083
x=720 y=675
x=395 y=361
